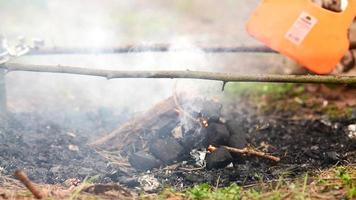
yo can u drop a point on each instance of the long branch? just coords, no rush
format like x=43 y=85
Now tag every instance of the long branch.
x=156 y=48
x=225 y=77
x=148 y=48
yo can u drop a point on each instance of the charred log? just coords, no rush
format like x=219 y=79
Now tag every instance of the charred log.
x=160 y=119
x=167 y=132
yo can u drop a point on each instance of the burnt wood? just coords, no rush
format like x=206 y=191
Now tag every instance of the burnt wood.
x=160 y=119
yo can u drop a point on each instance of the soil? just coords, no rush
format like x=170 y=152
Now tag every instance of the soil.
x=51 y=153
x=48 y=152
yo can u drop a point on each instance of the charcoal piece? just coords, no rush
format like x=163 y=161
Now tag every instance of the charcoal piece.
x=238 y=137
x=194 y=139
x=220 y=158
x=168 y=150
x=217 y=134
x=143 y=161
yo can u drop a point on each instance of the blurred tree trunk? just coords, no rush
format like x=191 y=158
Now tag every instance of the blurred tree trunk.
x=2 y=96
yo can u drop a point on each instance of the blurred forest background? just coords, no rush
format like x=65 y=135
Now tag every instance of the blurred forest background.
x=94 y=23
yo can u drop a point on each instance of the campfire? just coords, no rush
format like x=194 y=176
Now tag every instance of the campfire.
x=183 y=140
x=109 y=121
x=176 y=128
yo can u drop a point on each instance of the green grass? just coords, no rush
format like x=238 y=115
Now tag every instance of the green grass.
x=205 y=191
x=338 y=181
x=348 y=182
x=335 y=112
x=267 y=96
x=277 y=89
x=284 y=96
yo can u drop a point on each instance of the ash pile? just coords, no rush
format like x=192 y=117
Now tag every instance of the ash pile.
x=178 y=131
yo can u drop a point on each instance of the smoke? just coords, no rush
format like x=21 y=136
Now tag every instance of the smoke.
x=183 y=24
x=51 y=91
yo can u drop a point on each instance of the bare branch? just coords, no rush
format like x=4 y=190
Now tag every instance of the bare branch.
x=156 y=48
x=148 y=48
x=217 y=76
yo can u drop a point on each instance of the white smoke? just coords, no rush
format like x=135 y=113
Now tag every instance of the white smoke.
x=96 y=23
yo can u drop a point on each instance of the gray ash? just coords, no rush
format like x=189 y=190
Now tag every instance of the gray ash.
x=53 y=153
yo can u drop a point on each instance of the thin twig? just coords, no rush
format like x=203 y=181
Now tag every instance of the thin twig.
x=246 y=151
x=21 y=176
x=225 y=77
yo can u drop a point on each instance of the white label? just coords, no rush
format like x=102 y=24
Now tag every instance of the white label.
x=301 y=28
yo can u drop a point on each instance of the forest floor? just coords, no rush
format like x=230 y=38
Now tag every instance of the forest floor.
x=310 y=127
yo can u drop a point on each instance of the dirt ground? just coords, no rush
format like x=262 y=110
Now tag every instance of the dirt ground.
x=308 y=135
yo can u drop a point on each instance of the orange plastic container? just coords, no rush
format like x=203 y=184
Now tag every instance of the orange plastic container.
x=315 y=37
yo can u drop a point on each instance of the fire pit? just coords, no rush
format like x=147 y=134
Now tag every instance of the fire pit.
x=167 y=145
x=181 y=141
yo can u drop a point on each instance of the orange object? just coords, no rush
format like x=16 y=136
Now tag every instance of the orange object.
x=313 y=36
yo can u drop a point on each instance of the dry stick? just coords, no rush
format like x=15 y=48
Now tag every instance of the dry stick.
x=157 y=48
x=225 y=77
x=21 y=176
x=150 y=48
x=246 y=151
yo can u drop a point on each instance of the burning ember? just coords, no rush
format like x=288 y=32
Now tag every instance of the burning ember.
x=166 y=138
